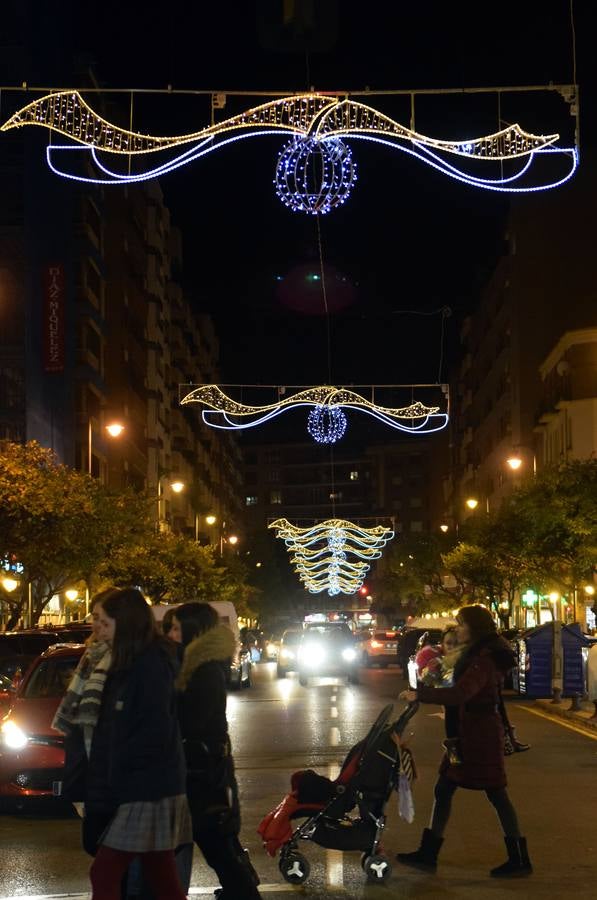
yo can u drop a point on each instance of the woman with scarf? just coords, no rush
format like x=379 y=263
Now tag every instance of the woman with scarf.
x=136 y=775
x=211 y=783
x=476 y=756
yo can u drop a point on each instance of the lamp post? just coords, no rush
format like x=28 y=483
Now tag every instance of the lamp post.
x=113 y=429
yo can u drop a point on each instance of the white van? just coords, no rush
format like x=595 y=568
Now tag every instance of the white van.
x=240 y=666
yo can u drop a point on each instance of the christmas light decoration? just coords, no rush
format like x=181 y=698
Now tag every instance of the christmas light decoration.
x=320 y=554
x=315 y=171
x=314 y=176
x=326 y=424
x=327 y=421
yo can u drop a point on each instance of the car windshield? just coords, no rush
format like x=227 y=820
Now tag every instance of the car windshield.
x=51 y=678
x=333 y=633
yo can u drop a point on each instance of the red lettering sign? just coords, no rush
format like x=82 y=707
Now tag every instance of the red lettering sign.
x=53 y=313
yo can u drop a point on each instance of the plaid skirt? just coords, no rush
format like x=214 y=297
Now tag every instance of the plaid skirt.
x=143 y=827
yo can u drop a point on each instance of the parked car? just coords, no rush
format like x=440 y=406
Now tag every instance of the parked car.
x=327 y=650
x=7 y=692
x=31 y=752
x=379 y=648
x=18 y=649
x=287 y=659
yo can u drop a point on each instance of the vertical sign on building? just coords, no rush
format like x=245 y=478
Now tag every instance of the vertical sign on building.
x=53 y=313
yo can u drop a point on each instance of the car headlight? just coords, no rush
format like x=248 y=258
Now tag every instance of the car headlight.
x=348 y=654
x=286 y=654
x=312 y=655
x=13 y=737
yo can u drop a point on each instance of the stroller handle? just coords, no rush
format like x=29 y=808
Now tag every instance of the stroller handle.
x=405 y=717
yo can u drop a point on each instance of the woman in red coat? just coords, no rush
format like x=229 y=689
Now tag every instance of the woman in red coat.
x=476 y=760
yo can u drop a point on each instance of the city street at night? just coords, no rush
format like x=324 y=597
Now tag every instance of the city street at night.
x=278 y=726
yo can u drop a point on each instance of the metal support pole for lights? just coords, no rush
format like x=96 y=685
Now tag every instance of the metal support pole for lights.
x=30 y=605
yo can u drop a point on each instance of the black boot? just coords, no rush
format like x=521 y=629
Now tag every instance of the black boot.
x=518 y=864
x=425 y=858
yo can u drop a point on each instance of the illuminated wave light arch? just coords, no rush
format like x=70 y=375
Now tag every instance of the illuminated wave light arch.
x=321 y=554
x=314 y=122
x=223 y=412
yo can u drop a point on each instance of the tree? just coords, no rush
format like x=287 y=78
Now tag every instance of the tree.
x=411 y=576
x=175 y=569
x=58 y=523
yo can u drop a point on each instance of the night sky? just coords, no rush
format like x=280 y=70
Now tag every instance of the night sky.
x=408 y=241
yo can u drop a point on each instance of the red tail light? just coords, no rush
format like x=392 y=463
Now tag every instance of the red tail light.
x=376 y=644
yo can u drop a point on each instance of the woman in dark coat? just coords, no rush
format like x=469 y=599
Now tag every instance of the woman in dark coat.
x=136 y=770
x=211 y=783
x=476 y=760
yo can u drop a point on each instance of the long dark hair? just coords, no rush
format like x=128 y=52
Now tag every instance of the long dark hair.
x=479 y=620
x=135 y=628
x=195 y=619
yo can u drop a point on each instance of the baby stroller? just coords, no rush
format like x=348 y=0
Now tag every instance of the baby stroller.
x=369 y=774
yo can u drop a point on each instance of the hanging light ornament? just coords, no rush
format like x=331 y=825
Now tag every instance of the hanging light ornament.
x=327 y=424
x=320 y=554
x=315 y=171
x=314 y=176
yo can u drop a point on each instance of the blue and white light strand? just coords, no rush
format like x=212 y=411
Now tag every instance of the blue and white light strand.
x=327 y=424
x=314 y=176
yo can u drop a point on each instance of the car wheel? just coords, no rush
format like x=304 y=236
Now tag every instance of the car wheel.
x=235 y=681
x=280 y=671
x=366 y=661
x=248 y=680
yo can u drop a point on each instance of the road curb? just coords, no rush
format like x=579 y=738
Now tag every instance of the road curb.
x=562 y=710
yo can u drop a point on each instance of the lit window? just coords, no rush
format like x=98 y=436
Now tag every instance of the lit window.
x=251 y=501
x=275 y=497
x=354 y=476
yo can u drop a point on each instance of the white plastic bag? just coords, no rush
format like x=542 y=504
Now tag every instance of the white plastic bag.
x=406 y=806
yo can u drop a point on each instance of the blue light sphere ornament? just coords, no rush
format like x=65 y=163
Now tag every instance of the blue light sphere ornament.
x=314 y=176
x=327 y=424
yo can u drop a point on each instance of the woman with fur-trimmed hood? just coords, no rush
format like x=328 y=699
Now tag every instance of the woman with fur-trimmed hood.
x=211 y=783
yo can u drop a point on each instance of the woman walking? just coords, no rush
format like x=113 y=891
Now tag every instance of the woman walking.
x=476 y=757
x=136 y=772
x=211 y=782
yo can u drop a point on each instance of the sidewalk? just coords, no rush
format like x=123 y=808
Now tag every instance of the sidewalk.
x=582 y=716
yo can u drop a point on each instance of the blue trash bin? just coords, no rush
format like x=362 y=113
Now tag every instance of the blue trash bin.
x=533 y=676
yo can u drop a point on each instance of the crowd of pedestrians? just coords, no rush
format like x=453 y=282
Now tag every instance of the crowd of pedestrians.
x=149 y=759
x=148 y=754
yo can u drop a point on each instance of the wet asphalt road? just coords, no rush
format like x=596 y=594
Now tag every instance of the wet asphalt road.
x=278 y=726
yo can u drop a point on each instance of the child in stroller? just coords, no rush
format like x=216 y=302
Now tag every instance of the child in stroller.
x=370 y=772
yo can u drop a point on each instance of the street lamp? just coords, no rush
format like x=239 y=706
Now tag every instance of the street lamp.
x=113 y=429
x=444 y=528
x=9 y=584
x=177 y=486
x=211 y=520
x=71 y=594
x=514 y=462
x=472 y=502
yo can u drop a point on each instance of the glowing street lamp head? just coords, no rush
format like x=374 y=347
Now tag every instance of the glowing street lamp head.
x=115 y=429
x=514 y=462
x=177 y=486
x=71 y=594
x=233 y=539
x=589 y=590
x=9 y=584
x=472 y=503
x=211 y=520
x=444 y=528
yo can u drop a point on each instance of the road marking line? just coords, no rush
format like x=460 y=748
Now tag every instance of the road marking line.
x=334 y=859
x=558 y=721
x=334 y=712
x=334 y=736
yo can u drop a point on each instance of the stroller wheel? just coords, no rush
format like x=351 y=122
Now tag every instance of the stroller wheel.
x=294 y=868
x=376 y=868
